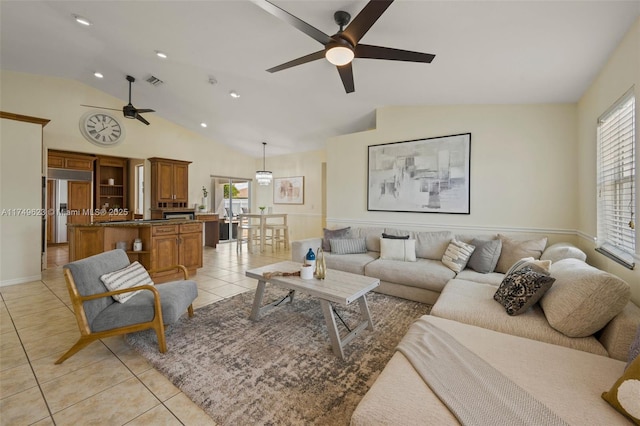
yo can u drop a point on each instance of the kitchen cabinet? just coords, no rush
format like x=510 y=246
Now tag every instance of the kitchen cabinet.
x=169 y=183
x=111 y=183
x=69 y=160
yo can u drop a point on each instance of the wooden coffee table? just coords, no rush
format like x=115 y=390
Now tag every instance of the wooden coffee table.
x=338 y=287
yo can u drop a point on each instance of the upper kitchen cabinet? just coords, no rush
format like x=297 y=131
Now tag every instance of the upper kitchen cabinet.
x=111 y=184
x=169 y=183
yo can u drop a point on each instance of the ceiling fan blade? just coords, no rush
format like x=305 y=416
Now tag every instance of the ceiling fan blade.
x=365 y=20
x=141 y=118
x=143 y=110
x=282 y=14
x=346 y=74
x=302 y=60
x=99 y=107
x=391 y=54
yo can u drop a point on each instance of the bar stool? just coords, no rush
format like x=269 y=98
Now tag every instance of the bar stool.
x=247 y=233
x=277 y=233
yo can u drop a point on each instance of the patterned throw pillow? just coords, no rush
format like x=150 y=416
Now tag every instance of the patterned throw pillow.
x=348 y=245
x=522 y=289
x=404 y=250
x=623 y=395
x=132 y=276
x=457 y=255
x=634 y=349
x=334 y=234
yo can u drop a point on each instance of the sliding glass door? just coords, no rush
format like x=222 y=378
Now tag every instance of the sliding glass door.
x=231 y=196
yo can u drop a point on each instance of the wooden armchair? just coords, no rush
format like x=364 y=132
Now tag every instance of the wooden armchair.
x=99 y=315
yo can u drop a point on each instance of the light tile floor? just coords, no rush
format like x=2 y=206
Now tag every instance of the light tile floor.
x=107 y=382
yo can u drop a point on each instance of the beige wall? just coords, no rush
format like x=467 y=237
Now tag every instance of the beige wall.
x=60 y=100
x=305 y=220
x=20 y=189
x=523 y=167
x=621 y=72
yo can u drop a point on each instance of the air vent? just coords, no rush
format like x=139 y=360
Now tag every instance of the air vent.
x=154 y=81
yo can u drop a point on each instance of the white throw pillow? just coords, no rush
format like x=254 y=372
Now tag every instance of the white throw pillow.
x=404 y=250
x=457 y=255
x=132 y=276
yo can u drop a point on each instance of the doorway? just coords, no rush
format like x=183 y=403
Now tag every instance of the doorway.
x=231 y=196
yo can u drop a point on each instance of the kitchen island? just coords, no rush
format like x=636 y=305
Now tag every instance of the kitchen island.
x=164 y=243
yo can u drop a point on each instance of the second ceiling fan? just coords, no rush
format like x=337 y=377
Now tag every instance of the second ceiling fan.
x=341 y=48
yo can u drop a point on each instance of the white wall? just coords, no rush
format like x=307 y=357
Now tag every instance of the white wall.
x=523 y=167
x=20 y=189
x=621 y=72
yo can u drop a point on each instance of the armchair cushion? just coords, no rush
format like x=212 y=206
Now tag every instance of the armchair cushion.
x=175 y=297
x=87 y=272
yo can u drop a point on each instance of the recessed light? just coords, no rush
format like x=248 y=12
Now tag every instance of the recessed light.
x=160 y=54
x=234 y=94
x=80 y=20
x=203 y=124
x=98 y=75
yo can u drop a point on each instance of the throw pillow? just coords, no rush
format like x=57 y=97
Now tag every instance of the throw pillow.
x=559 y=251
x=539 y=266
x=132 y=276
x=333 y=234
x=514 y=250
x=395 y=237
x=583 y=299
x=521 y=290
x=485 y=257
x=348 y=245
x=457 y=255
x=624 y=394
x=404 y=250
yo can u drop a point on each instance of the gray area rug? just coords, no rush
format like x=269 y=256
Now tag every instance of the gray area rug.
x=279 y=370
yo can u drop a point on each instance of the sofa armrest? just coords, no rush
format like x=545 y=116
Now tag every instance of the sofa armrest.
x=300 y=248
x=560 y=251
x=616 y=337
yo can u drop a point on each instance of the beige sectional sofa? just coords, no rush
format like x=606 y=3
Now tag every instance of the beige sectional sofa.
x=566 y=366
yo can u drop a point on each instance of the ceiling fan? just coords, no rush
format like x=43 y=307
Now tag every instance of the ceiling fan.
x=129 y=110
x=341 y=48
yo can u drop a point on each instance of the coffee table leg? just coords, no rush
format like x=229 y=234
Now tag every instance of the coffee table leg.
x=332 y=328
x=257 y=301
x=364 y=311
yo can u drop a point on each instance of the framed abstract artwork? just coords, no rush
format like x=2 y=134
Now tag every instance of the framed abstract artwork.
x=429 y=175
x=288 y=190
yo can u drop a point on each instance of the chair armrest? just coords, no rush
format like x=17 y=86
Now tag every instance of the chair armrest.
x=185 y=273
x=124 y=290
x=299 y=248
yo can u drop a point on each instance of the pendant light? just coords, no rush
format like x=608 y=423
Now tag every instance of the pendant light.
x=263 y=176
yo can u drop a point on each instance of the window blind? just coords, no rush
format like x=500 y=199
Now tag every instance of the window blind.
x=616 y=181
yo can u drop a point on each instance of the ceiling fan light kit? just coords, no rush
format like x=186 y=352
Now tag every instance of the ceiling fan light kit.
x=341 y=48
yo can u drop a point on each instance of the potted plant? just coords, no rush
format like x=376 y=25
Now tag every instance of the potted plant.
x=262 y=209
x=203 y=205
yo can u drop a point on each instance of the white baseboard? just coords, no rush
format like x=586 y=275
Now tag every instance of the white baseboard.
x=20 y=280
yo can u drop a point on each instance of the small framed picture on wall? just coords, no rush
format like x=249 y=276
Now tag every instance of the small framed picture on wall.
x=288 y=190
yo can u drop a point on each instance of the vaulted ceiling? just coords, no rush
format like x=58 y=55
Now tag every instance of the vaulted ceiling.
x=506 y=52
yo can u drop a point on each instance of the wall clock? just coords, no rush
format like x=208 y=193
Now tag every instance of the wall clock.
x=101 y=128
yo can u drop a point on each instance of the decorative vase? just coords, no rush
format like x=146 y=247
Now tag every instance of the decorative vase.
x=321 y=266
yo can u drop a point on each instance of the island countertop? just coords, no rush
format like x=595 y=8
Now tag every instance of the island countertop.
x=136 y=223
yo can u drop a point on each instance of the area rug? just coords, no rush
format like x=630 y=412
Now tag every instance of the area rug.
x=279 y=370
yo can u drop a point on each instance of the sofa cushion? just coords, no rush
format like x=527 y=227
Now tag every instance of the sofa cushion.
x=330 y=234
x=521 y=289
x=493 y=278
x=423 y=273
x=432 y=245
x=133 y=275
x=472 y=303
x=403 y=250
x=583 y=299
x=348 y=245
x=457 y=255
x=559 y=251
x=514 y=250
x=624 y=395
x=353 y=263
x=485 y=257
x=618 y=335
x=634 y=349
x=371 y=236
